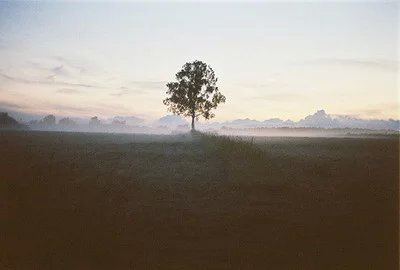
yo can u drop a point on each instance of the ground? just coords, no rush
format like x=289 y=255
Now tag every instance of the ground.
x=114 y=201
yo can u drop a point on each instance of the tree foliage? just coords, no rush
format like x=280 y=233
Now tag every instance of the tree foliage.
x=94 y=121
x=194 y=93
x=49 y=120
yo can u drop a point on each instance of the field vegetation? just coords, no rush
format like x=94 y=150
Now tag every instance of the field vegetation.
x=196 y=201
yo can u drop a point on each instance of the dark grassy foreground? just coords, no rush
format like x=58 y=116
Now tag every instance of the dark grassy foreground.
x=96 y=201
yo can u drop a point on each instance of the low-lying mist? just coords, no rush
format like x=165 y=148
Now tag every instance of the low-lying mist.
x=170 y=125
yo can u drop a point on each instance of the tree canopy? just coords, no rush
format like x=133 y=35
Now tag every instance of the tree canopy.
x=194 y=93
x=49 y=120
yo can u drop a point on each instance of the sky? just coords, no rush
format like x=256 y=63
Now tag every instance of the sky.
x=273 y=59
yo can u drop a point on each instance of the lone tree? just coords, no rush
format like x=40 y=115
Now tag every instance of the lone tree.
x=194 y=94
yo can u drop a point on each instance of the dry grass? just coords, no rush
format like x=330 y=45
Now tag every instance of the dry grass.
x=108 y=201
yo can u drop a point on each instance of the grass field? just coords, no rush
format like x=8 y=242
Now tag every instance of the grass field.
x=109 y=201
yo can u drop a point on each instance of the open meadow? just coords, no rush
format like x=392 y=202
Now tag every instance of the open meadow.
x=125 y=201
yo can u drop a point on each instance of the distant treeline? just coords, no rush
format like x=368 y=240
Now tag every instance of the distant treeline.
x=94 y=124
x=7 y=122
x=304 y=131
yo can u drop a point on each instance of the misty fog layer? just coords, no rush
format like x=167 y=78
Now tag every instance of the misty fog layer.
x=317 y=124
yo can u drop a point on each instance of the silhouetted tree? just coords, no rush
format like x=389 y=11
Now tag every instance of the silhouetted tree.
x=194 y=93
x=7 y=122
x=67 y=122
x=49 y=120
x=94 y=121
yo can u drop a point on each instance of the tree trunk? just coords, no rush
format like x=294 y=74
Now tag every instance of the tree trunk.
x=192 y=122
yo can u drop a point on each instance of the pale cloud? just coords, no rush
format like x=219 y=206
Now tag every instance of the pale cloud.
x=279 y=97
x=148 y=85
x=380 y=111
x=120 y=93
x=37 y=106
x=60 y=70
x=47 y=82
x=71 y=64
x=12 y=106
x=377 y=64
x=69 y=91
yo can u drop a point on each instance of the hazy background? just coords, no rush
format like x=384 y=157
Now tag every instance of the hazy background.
x=284 y=60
